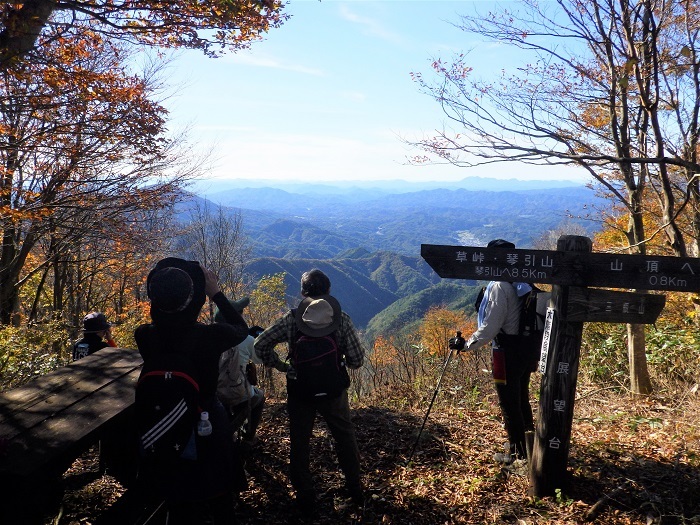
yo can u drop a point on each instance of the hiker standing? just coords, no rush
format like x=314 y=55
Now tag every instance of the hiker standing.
x=498 y=319
x=202 y=476
x=97 y=334
x=317 y=320
x=238 y=379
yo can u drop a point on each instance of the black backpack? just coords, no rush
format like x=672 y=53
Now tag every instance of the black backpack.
x=531 y=328
x=167 y=407
x=319 y=366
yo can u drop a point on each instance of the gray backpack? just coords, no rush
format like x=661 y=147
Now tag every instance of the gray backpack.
x=233 y=387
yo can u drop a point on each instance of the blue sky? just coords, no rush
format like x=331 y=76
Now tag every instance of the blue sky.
x=328 y=96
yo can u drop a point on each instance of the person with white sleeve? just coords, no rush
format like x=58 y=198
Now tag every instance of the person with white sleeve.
x=498 y=319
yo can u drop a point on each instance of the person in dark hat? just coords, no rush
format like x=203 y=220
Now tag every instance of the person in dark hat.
x=97 y=334
x=498 y=319
x=317 y=315
x=177 y=290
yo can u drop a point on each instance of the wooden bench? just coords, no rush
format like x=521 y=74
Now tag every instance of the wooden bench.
x=48 y=422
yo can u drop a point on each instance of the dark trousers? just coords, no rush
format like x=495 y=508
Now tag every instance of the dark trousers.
x=336 y=413
x=513 y=398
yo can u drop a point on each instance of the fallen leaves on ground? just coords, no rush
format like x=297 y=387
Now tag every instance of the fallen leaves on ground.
x=631 y=461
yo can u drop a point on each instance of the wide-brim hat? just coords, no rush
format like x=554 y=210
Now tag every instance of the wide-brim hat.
x=176 y=286
x=318 y=316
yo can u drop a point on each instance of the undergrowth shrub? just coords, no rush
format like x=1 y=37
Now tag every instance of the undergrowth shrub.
x=604 y=354
x=672 y=354
x=27 y=352
x=404 y=374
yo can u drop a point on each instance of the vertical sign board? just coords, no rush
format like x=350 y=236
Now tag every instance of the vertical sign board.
x=546 y=337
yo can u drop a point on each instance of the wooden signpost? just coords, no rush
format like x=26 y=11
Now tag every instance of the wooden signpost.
x=571 y=269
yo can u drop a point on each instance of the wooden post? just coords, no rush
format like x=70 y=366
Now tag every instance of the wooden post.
x=555 y=416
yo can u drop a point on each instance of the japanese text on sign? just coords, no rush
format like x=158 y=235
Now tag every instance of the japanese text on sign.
x=565 y=268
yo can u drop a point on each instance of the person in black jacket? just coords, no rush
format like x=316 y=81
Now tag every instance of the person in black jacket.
x=177 y=290
x=97 y=334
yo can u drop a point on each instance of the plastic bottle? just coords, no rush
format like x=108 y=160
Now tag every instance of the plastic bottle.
x=204 y=427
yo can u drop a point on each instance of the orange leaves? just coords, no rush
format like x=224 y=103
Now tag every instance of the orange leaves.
x=83 y=139
x=382 y=352
x=439 y=324
x=595 y=115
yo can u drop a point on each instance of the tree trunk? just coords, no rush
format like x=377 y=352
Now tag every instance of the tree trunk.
x=640 y=383
x=9 y=299
x=22 y=28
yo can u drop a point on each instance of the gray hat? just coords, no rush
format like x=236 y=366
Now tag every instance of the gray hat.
x=176 y=286
x=171 y=289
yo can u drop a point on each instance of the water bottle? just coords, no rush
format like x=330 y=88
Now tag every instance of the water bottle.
x=204 y=427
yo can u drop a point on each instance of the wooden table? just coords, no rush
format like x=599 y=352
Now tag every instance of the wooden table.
x=45 y=424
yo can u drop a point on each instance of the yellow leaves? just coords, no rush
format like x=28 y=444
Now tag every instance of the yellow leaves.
x=629 y=66
x=627 y=70
x=595 y=115
x=267 y=300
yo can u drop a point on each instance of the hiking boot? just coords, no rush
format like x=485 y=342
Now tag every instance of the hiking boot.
x=357 y=495
x=518 y=467
x=251 y=441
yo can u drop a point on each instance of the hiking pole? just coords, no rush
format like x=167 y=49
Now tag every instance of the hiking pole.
x=455 y=343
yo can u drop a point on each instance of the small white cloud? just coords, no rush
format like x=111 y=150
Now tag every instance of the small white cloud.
x=371 y=26
x=248 y=59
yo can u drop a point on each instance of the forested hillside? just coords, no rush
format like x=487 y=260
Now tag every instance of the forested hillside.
x=369 y=241
x=366 y=285
x=291 y=225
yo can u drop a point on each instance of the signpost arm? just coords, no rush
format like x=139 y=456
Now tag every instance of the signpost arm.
x=555 y=415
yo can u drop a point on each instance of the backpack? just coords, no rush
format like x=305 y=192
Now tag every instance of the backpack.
x=167 y=407
x=319 y=366
x=233 y=387
x=530 y=327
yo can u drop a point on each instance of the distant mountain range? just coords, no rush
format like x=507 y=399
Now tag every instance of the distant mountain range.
x=367 y=239
x=363 y=188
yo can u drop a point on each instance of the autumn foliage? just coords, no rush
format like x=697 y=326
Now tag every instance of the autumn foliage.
x=211 y=25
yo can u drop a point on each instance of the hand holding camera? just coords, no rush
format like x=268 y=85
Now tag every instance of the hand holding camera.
x=457 y=342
